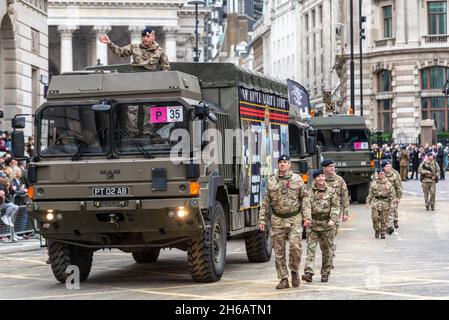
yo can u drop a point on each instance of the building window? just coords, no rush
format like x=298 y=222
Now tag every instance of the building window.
x=436 y=108
x=434 y=78
x=388 y=21
x=437 y=16
x=385 y=81
x=384 y=115
x=35 y=43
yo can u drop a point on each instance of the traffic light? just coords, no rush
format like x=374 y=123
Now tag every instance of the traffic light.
x=362 y=27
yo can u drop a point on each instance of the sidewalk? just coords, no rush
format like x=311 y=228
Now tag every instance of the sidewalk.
x=20 y=246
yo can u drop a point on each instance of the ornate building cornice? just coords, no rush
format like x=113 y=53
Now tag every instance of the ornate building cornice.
x=116 y=3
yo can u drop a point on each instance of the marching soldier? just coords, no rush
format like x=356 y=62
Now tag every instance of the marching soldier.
x=339 y=185
x=429 y=172
x=288 y=198
x=404 y=162
x=381 y=194
x=326 y=210
x=395 y=179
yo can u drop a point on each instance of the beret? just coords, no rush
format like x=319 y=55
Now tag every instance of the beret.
x=327 y=162
x=147 y=30
x=283 y=157
x=316 y=173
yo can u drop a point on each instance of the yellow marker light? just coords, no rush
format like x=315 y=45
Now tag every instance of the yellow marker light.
x=194 y=188
x=31 y=193
x=305 y=178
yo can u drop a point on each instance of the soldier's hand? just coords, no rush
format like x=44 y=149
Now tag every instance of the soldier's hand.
x=307 y=223
x=104 y=39
x=344 y=218
x=331 y=223
x=262 y=227
x=367 y=206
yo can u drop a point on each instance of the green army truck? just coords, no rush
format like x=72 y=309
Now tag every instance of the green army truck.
x=346 y=140
x=141 y=161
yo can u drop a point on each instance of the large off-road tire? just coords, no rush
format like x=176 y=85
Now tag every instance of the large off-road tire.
x=62 y=255
x=258 y=246
x=148 y=255
x=353 y=193
x=362 y=192
x=207 y=254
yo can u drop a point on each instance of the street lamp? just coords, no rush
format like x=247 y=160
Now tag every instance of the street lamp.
x=196 y=3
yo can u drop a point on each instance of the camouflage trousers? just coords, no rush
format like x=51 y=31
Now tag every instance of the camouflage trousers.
x=325 y=239
x=279 y=237
x=429 y=189
x=334 y=241
x=379 y=218
x=393 y=213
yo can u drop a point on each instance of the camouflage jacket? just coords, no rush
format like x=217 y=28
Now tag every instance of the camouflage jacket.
x=426 y=174
x=381 y=194
x=339 y=185
x=325 y=205
x=395 y=179
x=285 y=194
x=153 y=58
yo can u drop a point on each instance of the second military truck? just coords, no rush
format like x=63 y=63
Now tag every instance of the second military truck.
x=142 y=161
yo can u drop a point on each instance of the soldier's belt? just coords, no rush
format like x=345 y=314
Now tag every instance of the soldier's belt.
x=286 y=215
x=381 y=197
x=321 y=216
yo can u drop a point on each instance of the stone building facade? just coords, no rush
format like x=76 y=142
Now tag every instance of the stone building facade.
x=74 y=28
x=23 y=57
x=405 y=65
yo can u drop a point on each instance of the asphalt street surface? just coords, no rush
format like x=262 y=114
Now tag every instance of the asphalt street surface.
x=412 y=263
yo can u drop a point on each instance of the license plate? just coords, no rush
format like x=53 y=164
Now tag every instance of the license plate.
x=110 y=191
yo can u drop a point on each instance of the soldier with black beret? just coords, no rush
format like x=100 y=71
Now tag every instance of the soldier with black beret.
x=148 y=53
x=287 y=197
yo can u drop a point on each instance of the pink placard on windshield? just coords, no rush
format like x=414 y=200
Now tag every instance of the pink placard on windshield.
x=357 y=145
x=158 y=115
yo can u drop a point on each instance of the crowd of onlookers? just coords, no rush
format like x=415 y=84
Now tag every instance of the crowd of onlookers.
x=13 y=187
x=416 y=154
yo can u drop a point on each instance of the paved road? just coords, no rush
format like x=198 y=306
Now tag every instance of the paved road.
x=410 y=264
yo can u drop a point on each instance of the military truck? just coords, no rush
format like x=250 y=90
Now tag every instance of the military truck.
x=141 y=161
x=346 y=140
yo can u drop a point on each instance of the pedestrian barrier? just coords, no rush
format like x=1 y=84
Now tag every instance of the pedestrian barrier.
x=23 y=224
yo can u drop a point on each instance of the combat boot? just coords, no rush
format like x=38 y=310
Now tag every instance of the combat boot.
x=324 y=278
x=382 y=236
x=307 y=277
x=432 y=208
x=396 y=224
x=376 y=234
x=295 y=279
x=427 y=208
x=283 y=284
x=390 y=230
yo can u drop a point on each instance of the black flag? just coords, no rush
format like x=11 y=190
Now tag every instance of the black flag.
x=298 y=98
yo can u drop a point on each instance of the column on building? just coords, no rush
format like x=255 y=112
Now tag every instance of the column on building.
x=400 y=22
x=170 y=43
x=101 y=48
x=135 y=33
x=66 y=33
x=413 y=23
x=327 y=43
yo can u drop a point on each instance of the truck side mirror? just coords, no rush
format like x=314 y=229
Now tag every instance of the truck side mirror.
x=18 y=144
x=303 y=167
x=212 y=117
x=18 y=122
x=311 y=145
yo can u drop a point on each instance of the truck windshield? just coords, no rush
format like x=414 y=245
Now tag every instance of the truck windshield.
x=73 y=130
x=343 y=139
x=147 y=126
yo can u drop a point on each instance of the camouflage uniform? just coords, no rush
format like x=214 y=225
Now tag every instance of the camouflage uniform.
x=395 y=179
x=325 y=206
x=339 y=185
x=153 y=58
x=381 y=194
x=429 y=185
x=286 y=196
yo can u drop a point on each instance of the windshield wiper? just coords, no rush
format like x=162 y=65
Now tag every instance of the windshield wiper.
x=82 y=145
x=137 y=144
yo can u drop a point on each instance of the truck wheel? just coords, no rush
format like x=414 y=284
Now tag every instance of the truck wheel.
x=258 y=246
x=63 y=255
x=207 y=254
x=353 y=193
x=362 y=192
x=147 y=255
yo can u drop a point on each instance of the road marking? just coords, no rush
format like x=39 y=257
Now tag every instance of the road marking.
x=25 y=260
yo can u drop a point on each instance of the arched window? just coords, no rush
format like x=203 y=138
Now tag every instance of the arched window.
x=435 y=107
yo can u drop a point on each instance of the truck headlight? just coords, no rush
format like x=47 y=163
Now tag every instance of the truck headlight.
x=182 y=212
